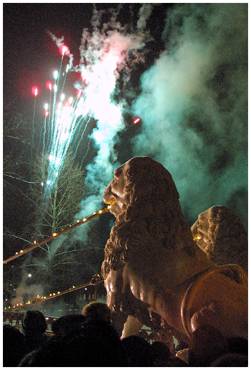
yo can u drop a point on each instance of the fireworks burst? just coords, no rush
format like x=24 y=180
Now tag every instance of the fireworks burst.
x=104 y=54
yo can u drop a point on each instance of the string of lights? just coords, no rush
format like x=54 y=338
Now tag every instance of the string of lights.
x=95 y=280
x=40 y=299
x=39 y=243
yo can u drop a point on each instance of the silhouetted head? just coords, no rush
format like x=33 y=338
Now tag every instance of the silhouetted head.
x=67 y=324
x=34 y=322
x=97 y=311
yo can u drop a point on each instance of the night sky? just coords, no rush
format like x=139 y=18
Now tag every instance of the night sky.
x=190 y=91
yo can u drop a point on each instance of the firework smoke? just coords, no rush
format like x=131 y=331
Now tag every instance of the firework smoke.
x=194 y=106
x=28 y=291
x=144 y=14
x=104 y=55
x=59 y=41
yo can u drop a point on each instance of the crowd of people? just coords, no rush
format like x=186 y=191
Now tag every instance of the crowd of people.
x=90 y=339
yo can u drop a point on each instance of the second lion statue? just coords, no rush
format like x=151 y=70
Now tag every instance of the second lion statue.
x=152 y=265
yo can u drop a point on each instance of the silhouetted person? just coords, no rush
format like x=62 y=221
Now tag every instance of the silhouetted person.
x=139 y=351
x=97 y=311
x=207 y=344
x=51 y=354
x=101 y=334
x=13 y=346
x=231 y=360
x=96 y=344
x=238 y=345
x=67 y=324
x=161 y=354
x=34 y=327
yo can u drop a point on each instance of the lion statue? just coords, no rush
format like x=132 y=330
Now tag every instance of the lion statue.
x=153 y=268
x=221 y=235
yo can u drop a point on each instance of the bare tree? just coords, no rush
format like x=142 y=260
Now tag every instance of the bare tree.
x=65 y=261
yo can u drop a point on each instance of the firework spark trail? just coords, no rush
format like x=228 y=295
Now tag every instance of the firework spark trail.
x=103 y=56
x=65 y=122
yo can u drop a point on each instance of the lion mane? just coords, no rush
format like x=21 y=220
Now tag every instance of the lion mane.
x=224 y=237
x=152 y=216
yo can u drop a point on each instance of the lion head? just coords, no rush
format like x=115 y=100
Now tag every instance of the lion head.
x=221 y=235
x=144 y=199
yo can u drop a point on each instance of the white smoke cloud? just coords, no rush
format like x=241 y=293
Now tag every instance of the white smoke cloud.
x=144 y=14
x=28 y=291
x=193 y=105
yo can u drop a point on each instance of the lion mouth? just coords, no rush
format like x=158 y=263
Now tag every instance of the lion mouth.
x=110 y=197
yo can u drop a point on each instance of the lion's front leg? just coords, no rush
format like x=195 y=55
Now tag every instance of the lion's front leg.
x=115 y=288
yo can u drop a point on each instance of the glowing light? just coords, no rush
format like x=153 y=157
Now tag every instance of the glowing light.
x=46 y=106
x=55 y=75
x=16 y=253
x=64 y=50
x=136 y=120
x=62 y=97
x=197 y=237
x=54 y=159
x=73 y=286
x=34 y=91
x=48 y=85
x=21 y=251
x=84 y=219
x=55 y=88
x=54 y=234
x=34 y=242
x=29 y=275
